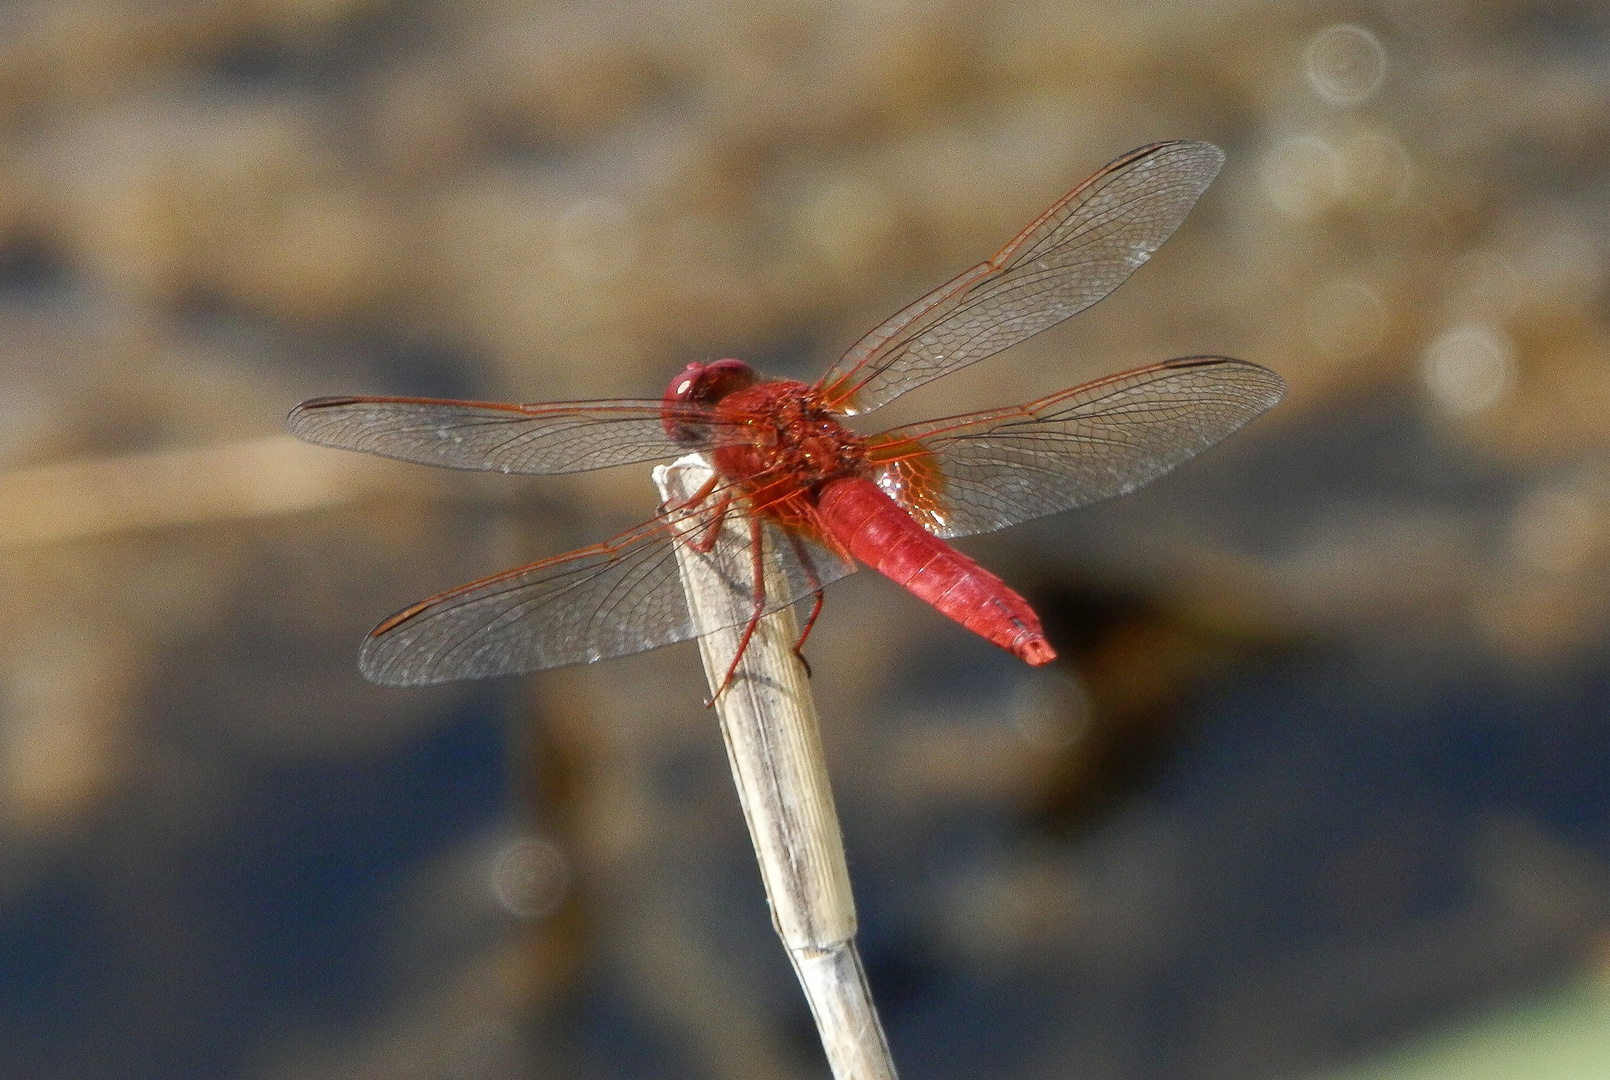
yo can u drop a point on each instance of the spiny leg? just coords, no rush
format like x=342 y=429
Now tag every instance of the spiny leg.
x=695 y=499
x=815 y=581
x=758 y=563
x=705 y=543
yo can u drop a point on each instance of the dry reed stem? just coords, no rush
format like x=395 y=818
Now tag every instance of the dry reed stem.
x=768 y=720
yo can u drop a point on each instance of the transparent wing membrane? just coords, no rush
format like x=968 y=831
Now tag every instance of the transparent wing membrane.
x=561 y=437
x=985 y=471
x=1074 y=254
x=610 y=599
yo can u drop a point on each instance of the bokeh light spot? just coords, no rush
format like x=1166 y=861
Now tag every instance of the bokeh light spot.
x=1468 y=369
x=1345 y=64
x=530 y=878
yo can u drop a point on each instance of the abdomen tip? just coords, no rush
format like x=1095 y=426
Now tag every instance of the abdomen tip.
x=1037 y=651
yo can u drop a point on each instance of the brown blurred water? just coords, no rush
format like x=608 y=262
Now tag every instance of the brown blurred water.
x=1326 y=766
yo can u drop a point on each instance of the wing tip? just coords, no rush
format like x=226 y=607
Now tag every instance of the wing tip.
x=381 y=657
x=302 y=420
x=1209 y=152
x=1273 y=383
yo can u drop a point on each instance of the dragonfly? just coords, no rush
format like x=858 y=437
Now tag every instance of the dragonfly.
x=794 y=484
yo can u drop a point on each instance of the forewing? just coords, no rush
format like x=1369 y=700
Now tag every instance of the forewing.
x=985 y=471
x=617 y=597
x=561 y=437
x=1075 y=253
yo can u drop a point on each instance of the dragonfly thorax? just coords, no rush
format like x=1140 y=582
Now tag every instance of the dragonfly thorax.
x=786 y=439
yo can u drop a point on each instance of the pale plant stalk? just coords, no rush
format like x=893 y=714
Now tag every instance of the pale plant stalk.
x=768 y=720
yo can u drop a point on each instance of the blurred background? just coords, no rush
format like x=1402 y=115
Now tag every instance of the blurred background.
x=1321 y=788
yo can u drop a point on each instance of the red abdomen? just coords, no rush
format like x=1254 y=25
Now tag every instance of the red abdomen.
x=865 y=520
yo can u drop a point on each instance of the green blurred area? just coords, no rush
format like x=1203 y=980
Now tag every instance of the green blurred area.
x=1564 y=1036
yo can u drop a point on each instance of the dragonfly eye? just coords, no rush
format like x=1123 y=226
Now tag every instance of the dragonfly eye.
x=706 y=384
x=702 y=386
x=721 y=378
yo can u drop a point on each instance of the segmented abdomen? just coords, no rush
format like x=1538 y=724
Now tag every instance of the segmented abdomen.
x=879 y=533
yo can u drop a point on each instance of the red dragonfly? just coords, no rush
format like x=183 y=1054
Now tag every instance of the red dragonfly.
x=792 y=477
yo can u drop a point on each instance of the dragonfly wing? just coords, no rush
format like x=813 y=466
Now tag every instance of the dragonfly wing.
x=806 y=565
x=985 y=471
x=617 y=597
x=1075 y=253
x=561 y=437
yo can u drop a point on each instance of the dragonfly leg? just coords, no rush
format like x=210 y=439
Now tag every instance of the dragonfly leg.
x=811 y=576
x=758 y=562
x=695 y=499
x=705 y=542
x=799 y=646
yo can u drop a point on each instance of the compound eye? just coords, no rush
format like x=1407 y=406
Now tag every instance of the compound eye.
x=686 y=383
x=684 y=390
x=722 y=378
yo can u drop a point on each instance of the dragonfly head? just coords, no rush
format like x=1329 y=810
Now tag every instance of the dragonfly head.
x=701 y=386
